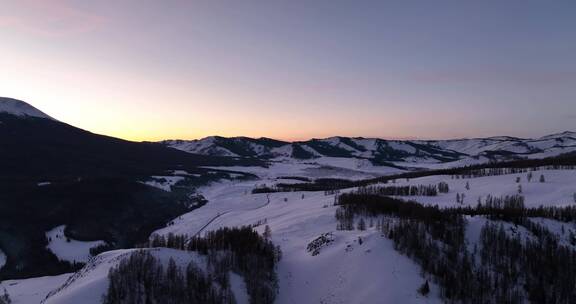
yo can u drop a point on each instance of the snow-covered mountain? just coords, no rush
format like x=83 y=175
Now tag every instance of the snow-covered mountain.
x=20 y=108
x=382 y=151
x=53 y=170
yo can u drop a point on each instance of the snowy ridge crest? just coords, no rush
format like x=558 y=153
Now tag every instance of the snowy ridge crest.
x=382 y=152
x=20 y=108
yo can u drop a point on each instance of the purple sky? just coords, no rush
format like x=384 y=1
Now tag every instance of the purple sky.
x=294 y=69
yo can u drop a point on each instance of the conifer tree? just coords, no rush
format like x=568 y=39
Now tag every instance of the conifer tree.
x=424 y=289
x=267 y=232
x=361 y=224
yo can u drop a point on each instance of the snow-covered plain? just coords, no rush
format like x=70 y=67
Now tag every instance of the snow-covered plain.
x=324 y=167
x=557 y=190
x=67 y=249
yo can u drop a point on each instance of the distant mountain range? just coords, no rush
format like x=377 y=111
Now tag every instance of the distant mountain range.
x=58 y=142
x=385 y=152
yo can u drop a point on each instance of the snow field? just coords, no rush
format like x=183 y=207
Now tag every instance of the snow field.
x=558 y=190
x=31 y=291
x=67 y=249
x=374 y=270
x=89 y=284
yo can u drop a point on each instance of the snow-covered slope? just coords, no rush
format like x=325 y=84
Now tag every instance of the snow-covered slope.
x=343 y=272
x=20 y=108
x=89 y=284
x=363 y=153
x=557 y=190
x=373 y=270
x=32 y=291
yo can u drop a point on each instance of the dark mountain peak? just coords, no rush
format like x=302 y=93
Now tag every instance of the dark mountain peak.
x=20 y=108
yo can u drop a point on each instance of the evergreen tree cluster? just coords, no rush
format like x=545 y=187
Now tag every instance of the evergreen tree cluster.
x=94 y=251
x=496 y=171
x=354 y=205
x=508 y=208
x=241 y=250
x=511 y=208
x=545 y=267
x=443 y=187
x=504 y=269
x=266 y=189
x=142 y=279
x=408 y=190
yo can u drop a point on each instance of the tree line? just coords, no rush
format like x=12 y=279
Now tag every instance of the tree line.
x=408 y=190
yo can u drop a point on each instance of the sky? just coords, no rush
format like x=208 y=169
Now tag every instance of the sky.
x=293 y=70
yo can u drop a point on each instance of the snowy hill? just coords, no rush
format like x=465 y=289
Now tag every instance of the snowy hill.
x=90 y=284
x=373 y=269
x=296 y=220
x=381 y=152
x=20 y=108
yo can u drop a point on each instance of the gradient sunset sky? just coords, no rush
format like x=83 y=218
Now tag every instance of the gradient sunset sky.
x=150 y=70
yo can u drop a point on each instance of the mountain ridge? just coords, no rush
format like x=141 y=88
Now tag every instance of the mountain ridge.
x=377 y=150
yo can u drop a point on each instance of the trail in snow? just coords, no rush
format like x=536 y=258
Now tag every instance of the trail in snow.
x=221 y=214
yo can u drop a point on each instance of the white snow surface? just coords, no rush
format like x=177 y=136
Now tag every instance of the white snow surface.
x=69 y=251
x=238 y=286
x=558 y=190
x=344 y=272
x=20 y=108
x=345 y=265
x=32 y=291
x=164 y=182
x=323 y=167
